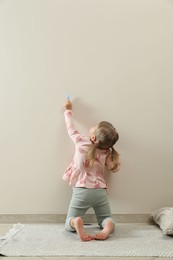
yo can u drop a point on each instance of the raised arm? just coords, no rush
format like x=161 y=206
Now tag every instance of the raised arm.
x=73 y=133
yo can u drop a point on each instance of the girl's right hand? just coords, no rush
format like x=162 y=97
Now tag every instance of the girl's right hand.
x=68 y=105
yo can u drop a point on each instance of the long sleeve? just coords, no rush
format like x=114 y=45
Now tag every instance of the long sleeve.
x=73 y=133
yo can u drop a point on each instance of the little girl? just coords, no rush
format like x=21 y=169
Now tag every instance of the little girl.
x=86 y=175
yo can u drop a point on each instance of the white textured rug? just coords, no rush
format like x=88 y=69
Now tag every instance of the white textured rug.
x=53 y=240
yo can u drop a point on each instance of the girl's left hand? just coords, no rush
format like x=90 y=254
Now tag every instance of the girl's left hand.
x=68 y=105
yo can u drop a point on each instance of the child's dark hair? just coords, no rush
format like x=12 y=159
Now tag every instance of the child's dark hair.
x=106 y=136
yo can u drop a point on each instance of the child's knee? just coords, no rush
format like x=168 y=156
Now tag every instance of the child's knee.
x=106 y=221
x=68 y=225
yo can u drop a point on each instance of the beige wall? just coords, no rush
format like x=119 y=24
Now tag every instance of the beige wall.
x=115 y=59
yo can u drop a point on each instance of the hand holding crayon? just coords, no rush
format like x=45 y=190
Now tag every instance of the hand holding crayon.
x=68 y=104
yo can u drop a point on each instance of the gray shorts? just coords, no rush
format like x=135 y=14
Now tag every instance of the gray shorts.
x=83 y=199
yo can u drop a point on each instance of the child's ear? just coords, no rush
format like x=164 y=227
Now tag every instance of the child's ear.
x=93 y=138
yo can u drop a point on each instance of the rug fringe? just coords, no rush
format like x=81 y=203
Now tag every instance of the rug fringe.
x=15 y=229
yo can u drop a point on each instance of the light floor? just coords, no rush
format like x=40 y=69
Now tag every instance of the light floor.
x=5 y=227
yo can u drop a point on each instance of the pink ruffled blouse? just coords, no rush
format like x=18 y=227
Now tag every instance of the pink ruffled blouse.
x=78 y=174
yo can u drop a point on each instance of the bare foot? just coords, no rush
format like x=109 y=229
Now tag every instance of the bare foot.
x=106 y=231
x=77 y=223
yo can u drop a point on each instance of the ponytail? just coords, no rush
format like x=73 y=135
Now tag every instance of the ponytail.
x=114 y=156
x=91 y=155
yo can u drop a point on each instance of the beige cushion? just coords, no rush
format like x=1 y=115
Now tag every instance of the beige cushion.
x=164 y=218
